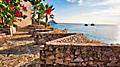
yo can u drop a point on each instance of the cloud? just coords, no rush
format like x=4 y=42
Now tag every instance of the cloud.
x=95 y=2
x=72 y=1
x=80 y=2
x=111 y=9
x=99 y=11
x=75 y=1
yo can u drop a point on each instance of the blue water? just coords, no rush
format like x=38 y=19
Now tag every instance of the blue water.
x=104 y=33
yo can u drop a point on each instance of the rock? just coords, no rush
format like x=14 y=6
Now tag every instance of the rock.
x=67 y=58
x=72 y=64
x=111 y=64
x=77 y=52
x=91 y=59
x=48 y=53
x=86 y=59
x=100 y=63
x=90 y=63
x=72 y=56
x=78 y=59
x=51 y=57
x=48 y=61
x=59 y=55
x=59 y=61
x=85 y=24
x=84 y=64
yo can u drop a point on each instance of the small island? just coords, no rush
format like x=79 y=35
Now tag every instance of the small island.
x=52 y=22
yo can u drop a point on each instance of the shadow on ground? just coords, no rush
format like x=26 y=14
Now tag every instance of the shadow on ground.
x=23 y=49
x=23 y=39
x=37 y=63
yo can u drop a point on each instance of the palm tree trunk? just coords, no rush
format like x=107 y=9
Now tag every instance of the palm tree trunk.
x=39 y=19
x=46 y=19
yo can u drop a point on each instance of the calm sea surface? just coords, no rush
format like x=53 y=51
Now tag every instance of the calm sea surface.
x=105 y=33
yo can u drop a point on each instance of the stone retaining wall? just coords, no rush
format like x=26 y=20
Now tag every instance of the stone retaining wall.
x=64 y=49
x=78 y=38
x=36 y=32
x=71 y=51
x=42 y=38
x=81 y=55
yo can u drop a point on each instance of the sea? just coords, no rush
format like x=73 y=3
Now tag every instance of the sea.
x=102 y=32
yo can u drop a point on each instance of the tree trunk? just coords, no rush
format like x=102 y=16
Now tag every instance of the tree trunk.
x=33 y=21
x=38 y=19
x=46 y=19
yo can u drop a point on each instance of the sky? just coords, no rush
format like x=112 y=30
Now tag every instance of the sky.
x=87 y=11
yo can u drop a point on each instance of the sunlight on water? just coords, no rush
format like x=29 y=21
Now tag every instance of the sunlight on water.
x=118 y=36
x=104 y=33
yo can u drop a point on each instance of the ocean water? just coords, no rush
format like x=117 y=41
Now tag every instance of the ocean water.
x=104 y=33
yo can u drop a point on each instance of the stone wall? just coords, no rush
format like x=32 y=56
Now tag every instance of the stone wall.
x=81 y=55
x=65 y=49
x=35 y=31
x=42 y=38
x=78 y=38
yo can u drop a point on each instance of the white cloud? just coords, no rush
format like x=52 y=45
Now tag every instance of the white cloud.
x=109 y=2
x=112 y=10
x=72 y=1
x=80 y=2
x=75 y=1
x=93 y=12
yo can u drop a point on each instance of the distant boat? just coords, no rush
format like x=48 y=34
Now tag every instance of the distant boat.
x=52 y=22
x=85 y=24
x=92 y=24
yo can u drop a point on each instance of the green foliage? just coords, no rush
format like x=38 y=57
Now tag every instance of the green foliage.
x=39 y=7
x=14 y=25
x=1 y=25
x=52 y=16
x=7 y=11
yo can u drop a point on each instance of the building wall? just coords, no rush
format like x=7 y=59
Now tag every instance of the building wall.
x=27 y=21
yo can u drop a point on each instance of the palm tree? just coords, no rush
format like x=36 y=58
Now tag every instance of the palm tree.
x=42 y=10
x=48 y=10
x=37 y=9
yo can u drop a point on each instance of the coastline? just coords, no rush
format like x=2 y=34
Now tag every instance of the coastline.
x=26 y=44
x=105 y=33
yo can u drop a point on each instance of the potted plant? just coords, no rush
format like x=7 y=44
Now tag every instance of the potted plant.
x=9 y=11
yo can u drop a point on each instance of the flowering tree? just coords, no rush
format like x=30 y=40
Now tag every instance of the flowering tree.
x=9 y=11
x=47 y=11
x=41 y=9
x=38 y=9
